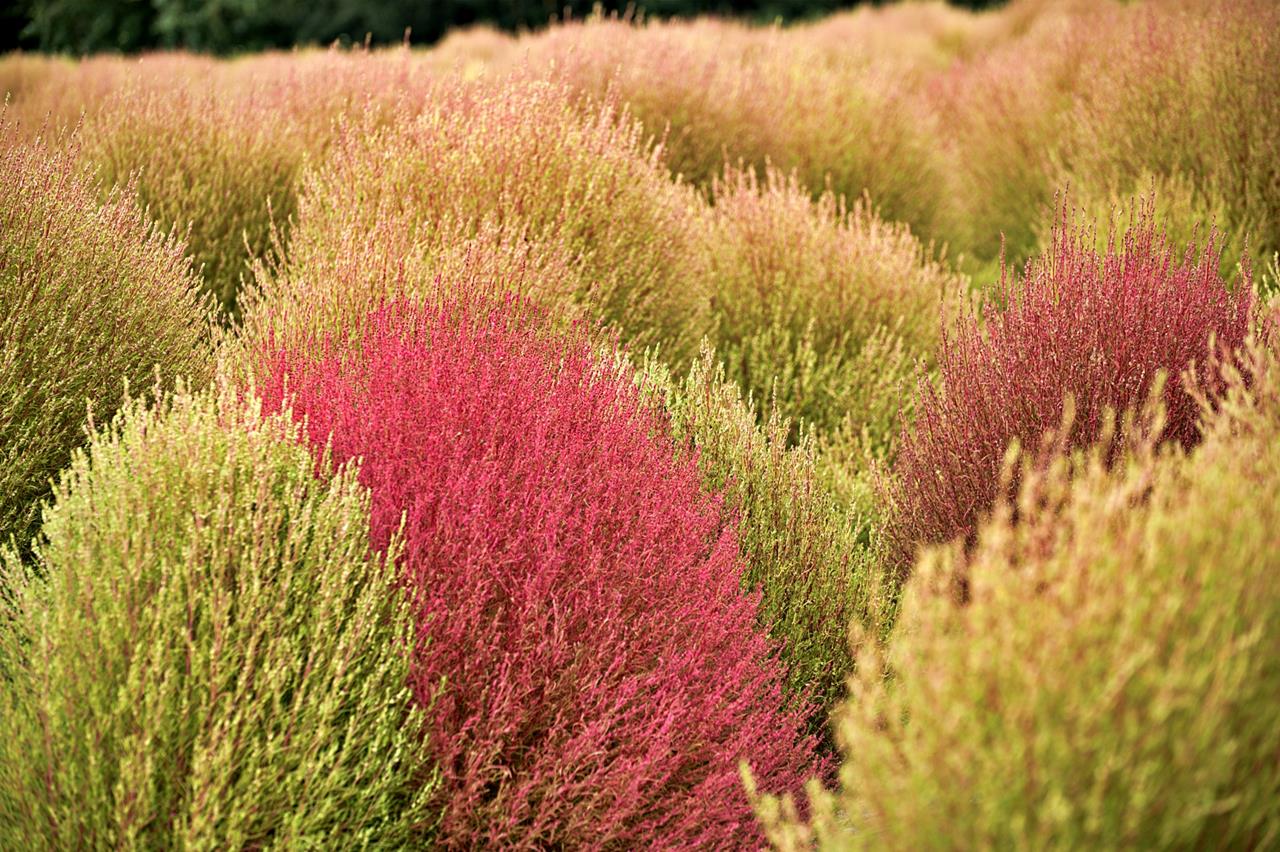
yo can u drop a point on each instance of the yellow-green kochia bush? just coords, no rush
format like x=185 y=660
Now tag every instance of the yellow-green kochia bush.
x=717 y=91
x=517 y=169
x=811 y=558
x=1100 y=674
x=221 y=164
x=821 y=311
x=207 y=654
x=91 y=297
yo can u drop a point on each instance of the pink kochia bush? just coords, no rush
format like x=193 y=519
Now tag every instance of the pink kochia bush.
x=592 y=674
x=1084 y=332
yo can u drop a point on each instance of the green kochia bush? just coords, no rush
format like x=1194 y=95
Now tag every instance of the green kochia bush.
x=1110 y=678
x=820 y=310
x=91 y=298
x=220 y=164
x=206 y=654
x=517 y=168
x=811 y=559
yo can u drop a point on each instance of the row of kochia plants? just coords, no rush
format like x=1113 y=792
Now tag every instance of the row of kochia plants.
x=523 y=495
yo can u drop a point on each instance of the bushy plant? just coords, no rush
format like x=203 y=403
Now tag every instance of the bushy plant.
x=1081 y=328
x=206 y=654
x=1190 y=92
x=469 y=50
x=517 y=159
x=1184 y=214
x=92 y=298
x=1004 y=118
x=915 y=39
x=812 y=560
x=591 y=669
x=1108 y=681
x=363 y=268
x=48 y=97
x=716 y=91
x=820 y=311
x=215 y=164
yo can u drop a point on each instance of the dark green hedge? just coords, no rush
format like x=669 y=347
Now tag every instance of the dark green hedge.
x=224 y=26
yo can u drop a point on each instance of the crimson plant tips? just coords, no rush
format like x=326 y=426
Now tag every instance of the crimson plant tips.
x=1097 y=327
x=590 y=668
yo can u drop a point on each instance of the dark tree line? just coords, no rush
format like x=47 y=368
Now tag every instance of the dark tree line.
x=226 y=26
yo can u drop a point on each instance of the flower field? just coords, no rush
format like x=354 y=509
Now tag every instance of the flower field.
x=858 y=433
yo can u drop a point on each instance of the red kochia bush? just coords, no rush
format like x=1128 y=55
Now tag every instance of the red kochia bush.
x=591 y=669
x=1095 y=327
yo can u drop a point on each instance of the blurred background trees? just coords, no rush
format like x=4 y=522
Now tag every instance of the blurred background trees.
x=228 y=26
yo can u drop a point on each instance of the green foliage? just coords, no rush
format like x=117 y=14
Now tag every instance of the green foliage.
x=1003 y=119
x=813 y=560
x=714 y=91
x=216 y=165
x=1185 y=215
x=1100 y=673
x=516 y=171
x=1191 y=94
x=206 y=655
x=822 y=312
x=91 y=298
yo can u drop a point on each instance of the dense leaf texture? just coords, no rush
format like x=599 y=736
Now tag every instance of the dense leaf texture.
x=91 y=298
x=1083 y=329
x=592 y=671
x=214 y=660
x=1110 y=679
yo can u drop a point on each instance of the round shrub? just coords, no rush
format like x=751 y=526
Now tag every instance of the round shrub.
x=1005 y=117
x=1108 y=682
x=206 y=653
x=91 y=298
x=808 y=555
x=219 y=163
x=716 y=91
x=590 y=668
x=820 y=311
x=516 y=160
x=1184 y=215
x=364 y=267
x=1086 y=329
x=1190 y=92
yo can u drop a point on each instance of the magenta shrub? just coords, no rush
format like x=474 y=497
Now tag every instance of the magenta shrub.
x=592 y=672
x=1097 y=327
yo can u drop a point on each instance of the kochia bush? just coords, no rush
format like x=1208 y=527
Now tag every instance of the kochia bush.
x=1189 y=92
x=519 y=162
x=717 y=91
x=206 y=654
x=219 y=164
x=590 y=667
x=1110 y=679
x=820 y=309
x=1082 y=328
x=808 y=555
x=91 y=298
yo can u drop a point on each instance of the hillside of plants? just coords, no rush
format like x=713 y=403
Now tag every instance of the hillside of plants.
x=862 y=432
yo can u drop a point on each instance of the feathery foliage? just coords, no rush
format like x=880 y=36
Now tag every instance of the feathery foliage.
x=820 y=311
x=217 y=165
x=810 y=558
x=1083 y=329
x=1109 y=679
x=578 y=596
x=716 y=91
x=91 y=297
x=206 y=654
x=515 y=159
x=1190 y=92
